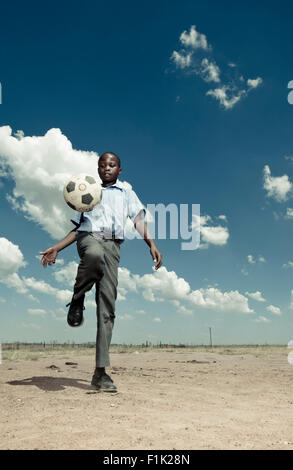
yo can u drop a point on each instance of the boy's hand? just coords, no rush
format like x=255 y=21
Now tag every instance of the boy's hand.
x=49 y=256
x=157 y=256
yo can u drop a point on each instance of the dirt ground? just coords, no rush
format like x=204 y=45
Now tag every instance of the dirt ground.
x=167 y=399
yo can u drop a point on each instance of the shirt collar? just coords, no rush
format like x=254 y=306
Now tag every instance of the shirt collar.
x=118 y=185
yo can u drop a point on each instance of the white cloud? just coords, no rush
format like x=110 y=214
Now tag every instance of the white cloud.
x=184 y=310
x=253 y=260
x=256 y=296
x=226 y=95
x=262 y=319
x=63 y=296
x=126 y=316
x=157 y=319
x=33 y=298
x=194 y=39
x=121 y=296
x=181 y=60
x=223 y=217
x=22 y=285
x=36 y=311
x=126 y=280
x=140 y=312
x=215 y=235
x=229 y=95
x=289 y=213
x=67 y=274
x=58 y=317
x=39 y=285
x=90 y=303
x=254 y=82
x=209 y=71
x=288 y=265
x=15 y=282
x=11 y=258
x=277 y=187
x=213 y=298
x=163 y=285
x=274 y=310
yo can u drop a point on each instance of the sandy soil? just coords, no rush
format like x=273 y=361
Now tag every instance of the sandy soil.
x=167 y=400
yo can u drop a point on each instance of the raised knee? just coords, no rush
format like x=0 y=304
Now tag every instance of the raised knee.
x=94 y=258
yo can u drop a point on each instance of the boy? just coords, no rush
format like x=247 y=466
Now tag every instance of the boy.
x=98 y=234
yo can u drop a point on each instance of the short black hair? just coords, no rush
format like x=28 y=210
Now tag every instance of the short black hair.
x=114 y=155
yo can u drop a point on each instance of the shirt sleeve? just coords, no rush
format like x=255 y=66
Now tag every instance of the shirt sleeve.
x=77 y=218
x=134 y=205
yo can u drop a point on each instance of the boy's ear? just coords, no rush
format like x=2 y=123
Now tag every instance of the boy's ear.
x=120 y=171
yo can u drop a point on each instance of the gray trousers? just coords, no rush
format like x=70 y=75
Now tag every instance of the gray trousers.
x=98 y=265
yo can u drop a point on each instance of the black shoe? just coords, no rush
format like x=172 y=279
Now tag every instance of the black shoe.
x=75 y=312
x=104 y=383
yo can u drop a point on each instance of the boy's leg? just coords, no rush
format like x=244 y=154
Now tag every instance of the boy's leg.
x=91 y=266
x=106 y=294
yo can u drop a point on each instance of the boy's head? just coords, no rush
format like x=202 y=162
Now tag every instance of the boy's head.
x=109 y=168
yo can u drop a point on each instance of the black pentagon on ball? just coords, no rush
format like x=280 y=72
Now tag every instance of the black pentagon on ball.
x=71 y=205
x=90 y=179
x=70 y=187
x=87 y=198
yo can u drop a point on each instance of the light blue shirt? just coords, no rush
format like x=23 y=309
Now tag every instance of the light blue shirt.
x=111 y=213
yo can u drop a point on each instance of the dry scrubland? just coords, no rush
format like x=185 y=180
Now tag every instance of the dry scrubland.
x=226 y=397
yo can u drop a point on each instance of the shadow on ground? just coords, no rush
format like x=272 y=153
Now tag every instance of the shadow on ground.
x=53 y=384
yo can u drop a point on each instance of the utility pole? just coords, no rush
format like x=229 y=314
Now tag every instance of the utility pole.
x=211 y=342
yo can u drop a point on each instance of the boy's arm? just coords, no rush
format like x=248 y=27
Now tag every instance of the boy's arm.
x=49 y=255
x=142 y=228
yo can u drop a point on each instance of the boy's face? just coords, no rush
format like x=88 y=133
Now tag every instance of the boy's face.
x=108 y=169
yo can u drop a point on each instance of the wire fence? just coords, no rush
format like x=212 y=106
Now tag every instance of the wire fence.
x=12 y=346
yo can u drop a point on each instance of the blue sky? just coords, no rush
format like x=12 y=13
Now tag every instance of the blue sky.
x=193 y=98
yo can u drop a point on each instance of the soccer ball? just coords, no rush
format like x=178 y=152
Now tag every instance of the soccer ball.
x=82 y=192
